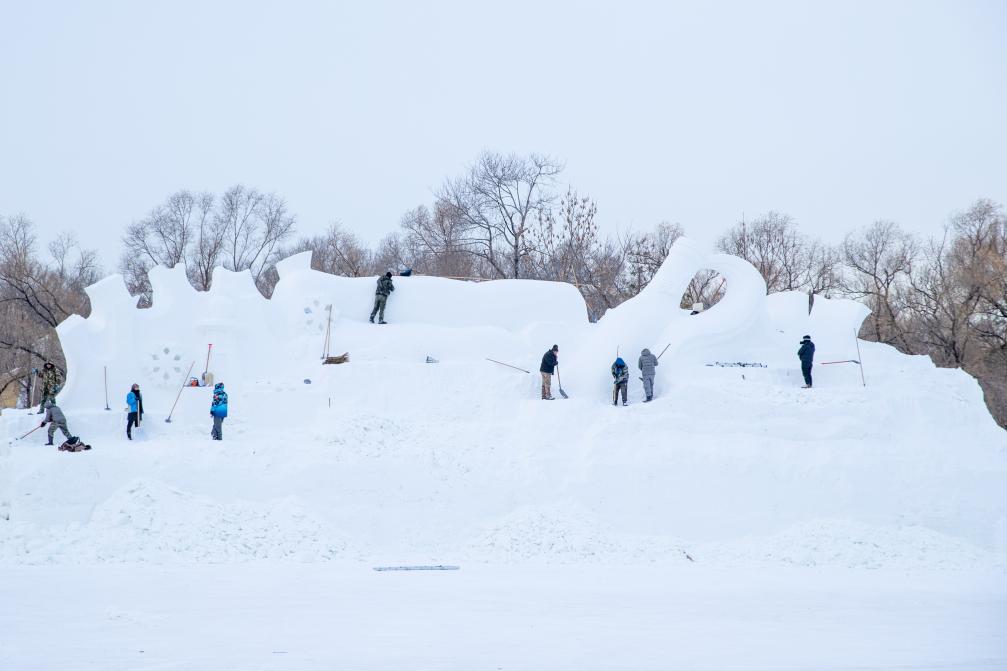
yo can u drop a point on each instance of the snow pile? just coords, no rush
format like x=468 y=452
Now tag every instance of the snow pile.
x=392 y=458
x=148 y=521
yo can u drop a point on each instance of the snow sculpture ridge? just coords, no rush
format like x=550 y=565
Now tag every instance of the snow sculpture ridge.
x=256 y=340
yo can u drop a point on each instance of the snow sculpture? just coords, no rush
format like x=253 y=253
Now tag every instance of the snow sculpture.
x=746 y=326
x=272 y=342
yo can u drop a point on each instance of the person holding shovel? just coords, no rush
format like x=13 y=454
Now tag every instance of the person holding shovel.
x=647 y=363
x=55 y=418
x=620 y=377
x=549 y=362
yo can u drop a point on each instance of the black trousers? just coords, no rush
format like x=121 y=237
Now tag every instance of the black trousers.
x=131 y=421
x=806 y=371
x=620 y=386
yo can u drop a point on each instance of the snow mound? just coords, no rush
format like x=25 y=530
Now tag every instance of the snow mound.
x=149 y=521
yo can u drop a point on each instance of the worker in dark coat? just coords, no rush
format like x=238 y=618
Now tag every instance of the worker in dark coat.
x=384 y=289
x=549 y=362
x=807 y=356
x=620 y=379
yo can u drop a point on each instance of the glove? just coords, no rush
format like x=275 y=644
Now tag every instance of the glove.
x=41 y=425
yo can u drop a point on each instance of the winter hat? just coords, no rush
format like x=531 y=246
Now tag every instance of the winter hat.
x=619 y=362
x=807 y=337
x=388 y=274
x=555 y=348
x=218 y=387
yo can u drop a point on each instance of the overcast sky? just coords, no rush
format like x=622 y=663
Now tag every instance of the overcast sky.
x=837 y=113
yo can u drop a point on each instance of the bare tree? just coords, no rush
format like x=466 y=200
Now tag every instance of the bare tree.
x=36 y=294
x=497 y=203
x=646 y=252
x=878 y=263
x=436 y=243
x=787 y=259
x=207 y=242
x=338 y=252
x=253 y=225
x=243 y=230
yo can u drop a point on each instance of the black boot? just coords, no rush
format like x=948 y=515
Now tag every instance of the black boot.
x=50 y=442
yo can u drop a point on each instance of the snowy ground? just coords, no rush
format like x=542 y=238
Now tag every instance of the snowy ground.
x=736 y=522
x=346 y=616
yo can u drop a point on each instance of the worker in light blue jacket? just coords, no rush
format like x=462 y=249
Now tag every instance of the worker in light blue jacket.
x=135 y=402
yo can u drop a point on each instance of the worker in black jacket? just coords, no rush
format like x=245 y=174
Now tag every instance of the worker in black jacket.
x=807 y=356
x=549 y=362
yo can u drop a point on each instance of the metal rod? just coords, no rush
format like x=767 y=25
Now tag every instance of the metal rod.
x=105 y=368
x=857 y=341
x=180 y=391
x=508 y=365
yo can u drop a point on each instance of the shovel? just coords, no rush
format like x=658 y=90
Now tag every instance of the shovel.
x=560 y=382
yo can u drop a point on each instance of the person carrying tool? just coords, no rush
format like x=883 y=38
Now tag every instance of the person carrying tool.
x=55 y=418
x=807 y=356
x=385 y=287
x=135 y=402
x=620 y=376
x=647 y=364
x=549 y=362
x=218 y=409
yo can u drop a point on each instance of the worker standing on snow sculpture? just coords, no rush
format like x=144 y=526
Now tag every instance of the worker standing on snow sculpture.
x=385 y=287
x=218 y=408
x=807 y=355
x=647 y=364
x=55 y=418
x=135 y=402
x=549 y=362
x=52 y=382
x=620 y=374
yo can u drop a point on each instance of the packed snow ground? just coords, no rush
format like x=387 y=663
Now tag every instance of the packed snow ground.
x=491 y=617
x=737 y=521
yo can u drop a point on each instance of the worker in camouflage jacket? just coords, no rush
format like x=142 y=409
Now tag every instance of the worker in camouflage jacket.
x=647 y=365
x=55 y=418
x=620 y=375
x=52 y=382
x=385 y=288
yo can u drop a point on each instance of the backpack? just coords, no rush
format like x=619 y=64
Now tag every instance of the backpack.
x=73 y=444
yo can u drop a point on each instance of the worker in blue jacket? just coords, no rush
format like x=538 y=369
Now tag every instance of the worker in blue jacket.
x=135 y=402
x=218 y=408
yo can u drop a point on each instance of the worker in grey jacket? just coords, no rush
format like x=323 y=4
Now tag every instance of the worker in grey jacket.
x=55 y=418
x=647 y=363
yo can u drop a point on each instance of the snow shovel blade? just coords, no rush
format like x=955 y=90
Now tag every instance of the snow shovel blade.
x=563 y=393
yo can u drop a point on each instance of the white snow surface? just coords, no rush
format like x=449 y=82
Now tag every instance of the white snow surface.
x=391 y=460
